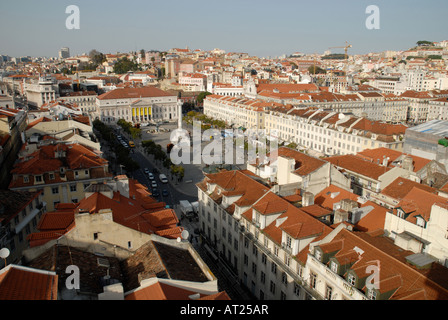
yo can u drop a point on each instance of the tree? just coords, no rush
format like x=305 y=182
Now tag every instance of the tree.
x=96 y=57
x=425 y=43
x=318 y=70
x=125 y=65
x=201 y=96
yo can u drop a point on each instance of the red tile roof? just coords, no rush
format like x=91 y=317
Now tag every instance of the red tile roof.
x=132 y=212
x=418 y=202
x=396 y=277
x=134 y=93
x=400 y=187
x=22 y=283
x=358 y=165
x=165 y=291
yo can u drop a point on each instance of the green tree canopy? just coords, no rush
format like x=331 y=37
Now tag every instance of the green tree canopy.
x=202 y=96
x=318 y=70
x=125 y=65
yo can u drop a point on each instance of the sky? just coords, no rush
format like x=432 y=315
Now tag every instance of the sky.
x=257 y=27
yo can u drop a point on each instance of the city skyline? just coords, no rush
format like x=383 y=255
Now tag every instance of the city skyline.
x=261 y=28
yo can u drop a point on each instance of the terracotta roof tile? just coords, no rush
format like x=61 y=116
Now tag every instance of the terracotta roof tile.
x=21 y=283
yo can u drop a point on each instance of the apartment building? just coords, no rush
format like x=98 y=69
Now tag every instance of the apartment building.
x=237 y=111
x=331 y=133
x=61 y=171
x=12 y=126
x=85 y=100
x=367 y=178
x=193 y=81
x=43 y=91
x=119 y=212
x=347 y=265
x=299 y=171
x=136 y=105
x=283 y=252
x=20 y=212
x=256 y=233
x=419 y=223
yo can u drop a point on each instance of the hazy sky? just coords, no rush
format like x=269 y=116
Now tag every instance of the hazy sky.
x=258 y=27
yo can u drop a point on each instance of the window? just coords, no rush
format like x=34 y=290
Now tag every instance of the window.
x=328 y=292
x=272 y=287
x=263 y=257
x=334 y=266
x=317 y=254
x=313 y=280
x=262 y=277
x=51 y=176
x=284 y=278
x=282 y=295
x=371 y=294
x=273 y=268
x=55 y=190
x=351 y=279
x=254 y=268
x=95 y=236
x=73 y=188
x=288 y=242
x=38 y=178
x=129 y=244
x=26 y=179
x=296 y=289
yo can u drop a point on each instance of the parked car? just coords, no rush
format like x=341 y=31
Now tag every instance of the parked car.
x=150 y=176
x=155 y=192
x=146 y=170
x=165 y=193
x=153 y=184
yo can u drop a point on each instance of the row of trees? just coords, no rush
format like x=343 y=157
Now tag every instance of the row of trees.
x=207 y=122
x=121 y=153
x=162 y=158
x=130 y=129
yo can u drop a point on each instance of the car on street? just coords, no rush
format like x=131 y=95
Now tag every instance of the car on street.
x=153 y=184
x=165 y=193
x=150 y=176
x=155 y=192
x=163 y=178
x=146 y=170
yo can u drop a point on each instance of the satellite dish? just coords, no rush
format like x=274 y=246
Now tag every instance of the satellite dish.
x=4 y=253
x=185 y=234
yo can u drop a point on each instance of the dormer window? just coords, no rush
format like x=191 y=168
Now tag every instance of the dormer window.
x=334 y=266
x=317 y=254
x=421 y=222
x=51 y=176
x=26 y=179
x=371 y=294
x=351 y=279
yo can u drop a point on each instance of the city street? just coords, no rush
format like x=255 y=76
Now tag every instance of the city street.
x=185 y=190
